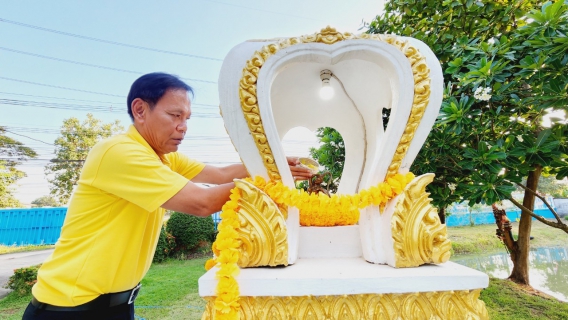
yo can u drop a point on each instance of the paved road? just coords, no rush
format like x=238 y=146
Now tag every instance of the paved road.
x=11 y=261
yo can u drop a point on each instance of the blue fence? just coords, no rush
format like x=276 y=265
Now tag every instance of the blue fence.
x=31 y=226
x=43 y=225
x=216 y=218
x=475 y=218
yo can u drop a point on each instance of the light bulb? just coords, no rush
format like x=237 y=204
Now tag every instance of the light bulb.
x=326 y=92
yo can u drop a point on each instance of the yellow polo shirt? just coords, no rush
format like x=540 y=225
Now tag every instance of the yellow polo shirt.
x=113 y=221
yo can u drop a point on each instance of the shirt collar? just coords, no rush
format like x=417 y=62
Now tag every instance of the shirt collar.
x=136 y=136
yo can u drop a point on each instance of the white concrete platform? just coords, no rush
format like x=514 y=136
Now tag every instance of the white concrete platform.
x=348 y=276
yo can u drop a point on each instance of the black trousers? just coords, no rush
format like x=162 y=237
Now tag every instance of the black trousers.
x=120 y=312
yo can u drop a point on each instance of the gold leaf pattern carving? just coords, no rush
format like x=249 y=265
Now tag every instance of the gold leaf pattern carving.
x=264 y=240
x=418 y=235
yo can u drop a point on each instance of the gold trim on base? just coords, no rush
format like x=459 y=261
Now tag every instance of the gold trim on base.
x=421 y=305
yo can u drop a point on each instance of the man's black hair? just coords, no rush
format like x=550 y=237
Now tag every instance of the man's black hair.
x=151 y=88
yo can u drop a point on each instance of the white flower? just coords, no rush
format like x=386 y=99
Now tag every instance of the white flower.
x=452 y=186
x=483 y=94
x=520 y=138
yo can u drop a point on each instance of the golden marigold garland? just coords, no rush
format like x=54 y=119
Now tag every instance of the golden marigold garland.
x=226 y=250
x=337 y=210
x=315 y=210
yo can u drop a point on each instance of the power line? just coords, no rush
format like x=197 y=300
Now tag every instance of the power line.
x=98 y=101
x=58 y=131
x=59 y=87
x=28 y=137
x=107 y=41
x=51 y=160
x=91 y=65
x=56 y=98
x=94 y=108
x=258 y=9
x=211 y=140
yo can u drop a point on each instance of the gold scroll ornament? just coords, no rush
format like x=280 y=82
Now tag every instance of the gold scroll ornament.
x=421 y=305
x=418 y=235
x=251 y=111
x=262 y=229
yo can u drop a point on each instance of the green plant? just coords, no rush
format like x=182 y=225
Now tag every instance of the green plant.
x=166 y=245
x=505 y=75
x=330 y=154
x=190 y=231
x=23 y=280
x=71 y=148
x=13 y=153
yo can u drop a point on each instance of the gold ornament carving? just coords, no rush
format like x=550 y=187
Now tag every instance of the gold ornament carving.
x=328 y=35
x=262 y=230
x=421 y=305
x=418 y=235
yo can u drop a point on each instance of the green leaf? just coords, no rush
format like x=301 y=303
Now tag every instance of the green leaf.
x=542 y=136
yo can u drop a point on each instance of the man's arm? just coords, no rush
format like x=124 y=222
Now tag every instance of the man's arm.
x=198 y=201
x=202 y=202
x=221 y=175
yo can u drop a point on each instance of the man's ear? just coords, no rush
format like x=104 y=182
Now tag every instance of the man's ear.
x=139 y=109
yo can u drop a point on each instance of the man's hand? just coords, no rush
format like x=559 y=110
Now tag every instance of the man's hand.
x=299 y=173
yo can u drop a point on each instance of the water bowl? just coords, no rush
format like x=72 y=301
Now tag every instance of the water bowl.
x=310 y=164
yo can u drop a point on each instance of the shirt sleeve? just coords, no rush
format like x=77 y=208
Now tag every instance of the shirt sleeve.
x=138 y=176
x=185 y=166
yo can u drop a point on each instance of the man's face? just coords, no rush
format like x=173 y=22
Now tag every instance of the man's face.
x=166 y=124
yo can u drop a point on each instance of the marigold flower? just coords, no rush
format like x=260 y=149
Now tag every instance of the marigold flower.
x=395 y=185
x=228 y=270
x=227 y=243
x=228 y=256
x=210 y=264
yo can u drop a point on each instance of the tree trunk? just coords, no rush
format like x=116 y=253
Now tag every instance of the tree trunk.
x=442 y=215
x=504 y=230
x=520 y=273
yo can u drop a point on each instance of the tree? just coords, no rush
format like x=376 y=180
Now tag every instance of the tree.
x=330 y=154
x=506 y=75
x=45 y=201
x=71 y=150
x=12 y=153
x=549 y=185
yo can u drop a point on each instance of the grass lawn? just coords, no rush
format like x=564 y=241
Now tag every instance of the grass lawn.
x=482 y=239
x=506 y=300
x=169 y=290
x=13 y=249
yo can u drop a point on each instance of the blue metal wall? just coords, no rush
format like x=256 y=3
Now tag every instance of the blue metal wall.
x=216 y=218
x=475 y=218
x=43 y=225
x=31 y=226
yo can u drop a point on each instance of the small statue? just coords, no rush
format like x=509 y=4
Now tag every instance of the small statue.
x=316 y=180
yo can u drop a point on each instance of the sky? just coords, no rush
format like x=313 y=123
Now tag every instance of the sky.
x=62 y=59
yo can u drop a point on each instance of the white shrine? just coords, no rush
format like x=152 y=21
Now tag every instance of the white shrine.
x=393 y=262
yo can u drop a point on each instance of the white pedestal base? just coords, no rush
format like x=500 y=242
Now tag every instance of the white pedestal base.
x=319 y=277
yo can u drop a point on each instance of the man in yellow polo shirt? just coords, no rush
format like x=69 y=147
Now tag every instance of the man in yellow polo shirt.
x=115 y=215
